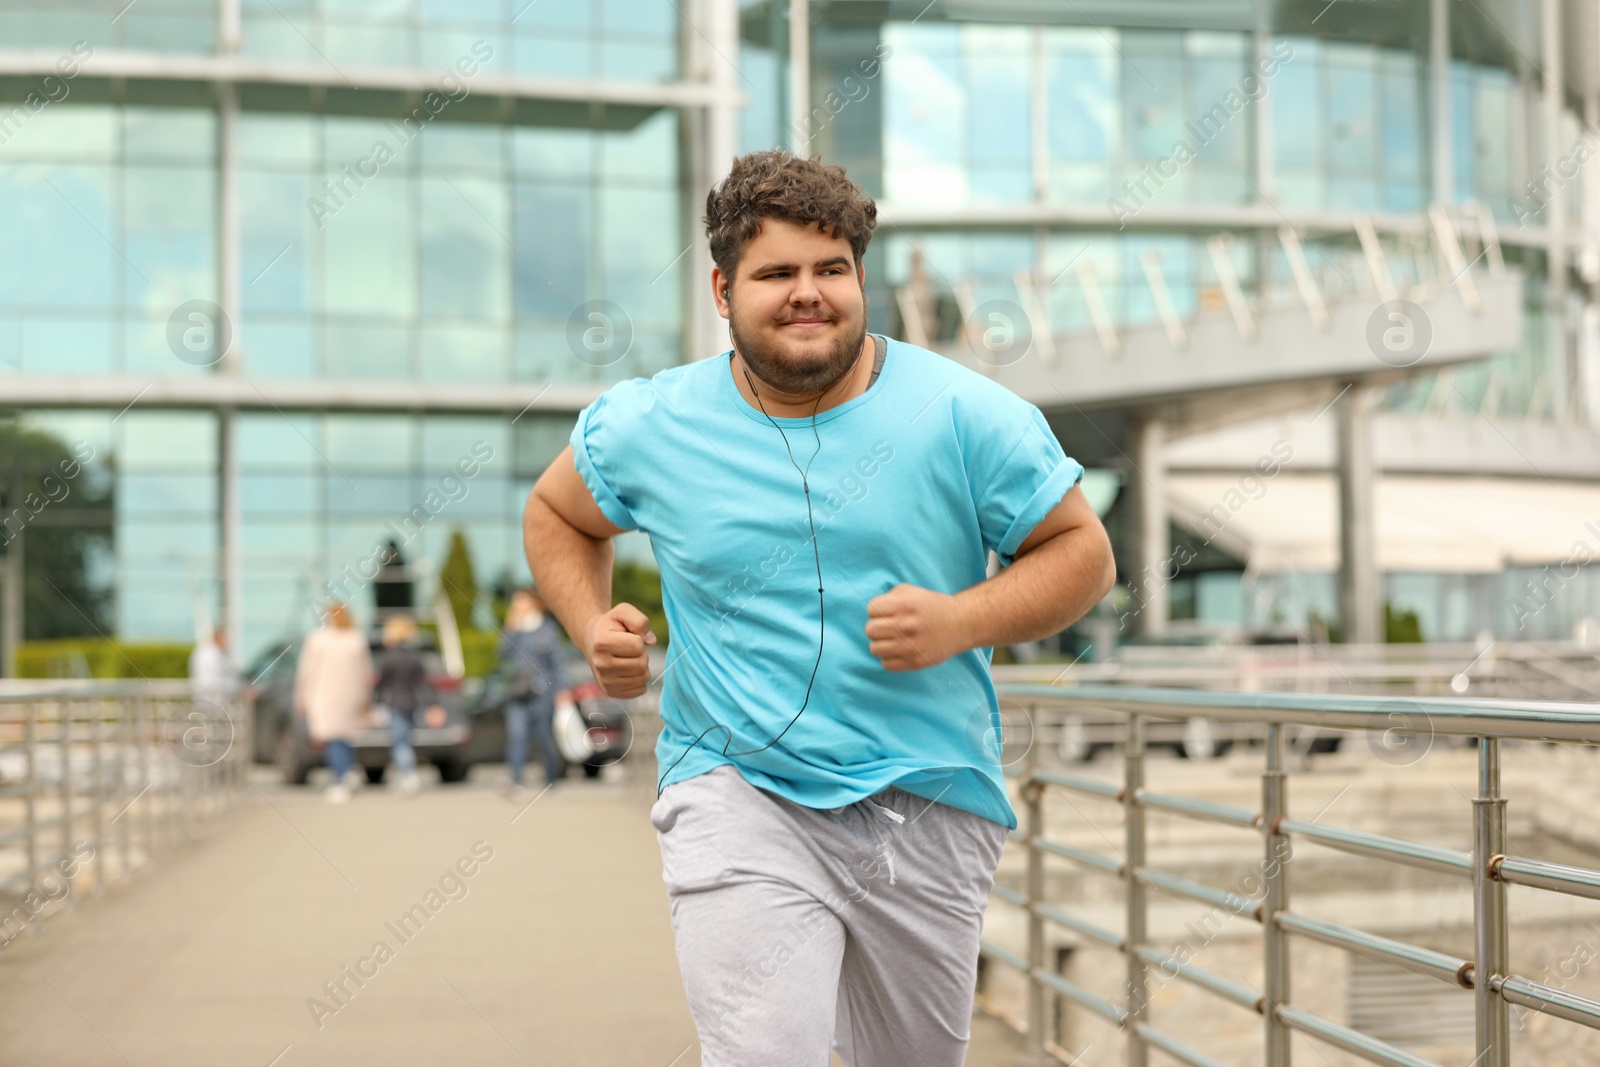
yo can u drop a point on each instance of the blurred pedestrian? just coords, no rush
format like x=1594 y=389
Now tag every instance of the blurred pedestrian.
x=211 y=676
x=333 y=690
x=530 y=651
x=403 y=687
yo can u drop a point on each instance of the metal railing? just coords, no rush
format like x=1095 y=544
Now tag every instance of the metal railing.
x=1486 y=868
x=1515 y=670
x=100 y=779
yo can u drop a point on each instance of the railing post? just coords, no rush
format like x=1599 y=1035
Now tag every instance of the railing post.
x=97 y=822
x=1033 y=797
x=30 y=730
x=1275 y=877
x=64 y=739
x=124 y=733
x=141 y=724
x=1133 y=845
x=1489 y=911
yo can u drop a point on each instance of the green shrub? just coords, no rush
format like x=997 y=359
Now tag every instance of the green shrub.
x=480 y=650
x=101 y=657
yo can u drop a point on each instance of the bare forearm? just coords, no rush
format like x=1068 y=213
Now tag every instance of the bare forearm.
x=571 y=569
x=1041 y=593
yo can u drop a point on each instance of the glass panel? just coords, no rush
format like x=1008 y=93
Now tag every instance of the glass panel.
x=52 y=345
x=273 y=494
x=165 y=494
x=267 y=140
x=369 y=442
x=277 y=441
x=539 y=439
x=365 y=349
x=170 y=236
x=554 y=235
x=57 y=230
x=464 y=354
x=924 y=116
x=553 y=153
x=639 y=241
x=290 y=543
x=280 y=347
x=1081 y=80
x=369 y=251
x=172 y=440
x=463 y=248
x=275 y=235
x=554 y=54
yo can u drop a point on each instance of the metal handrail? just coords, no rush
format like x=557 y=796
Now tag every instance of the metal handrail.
x=1487 y=866
x=113 y=775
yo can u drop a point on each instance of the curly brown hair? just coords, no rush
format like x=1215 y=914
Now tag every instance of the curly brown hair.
x=780 y=185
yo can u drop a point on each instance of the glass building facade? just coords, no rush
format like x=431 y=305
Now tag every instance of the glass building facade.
x=403 y=198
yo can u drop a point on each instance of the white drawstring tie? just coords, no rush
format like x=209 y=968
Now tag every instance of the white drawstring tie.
x=888 y=813
x=885 y=849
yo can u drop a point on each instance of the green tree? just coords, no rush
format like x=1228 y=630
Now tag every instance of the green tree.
x=1401 y=627
x=459 y=584
x=58 y=510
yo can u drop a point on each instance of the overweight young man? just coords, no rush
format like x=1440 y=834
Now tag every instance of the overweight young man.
x=821 y=502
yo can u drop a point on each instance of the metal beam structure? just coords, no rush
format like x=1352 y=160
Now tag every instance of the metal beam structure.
x=215 y=391
x=1287 y=351
x=200 y=72
x=1158 y=217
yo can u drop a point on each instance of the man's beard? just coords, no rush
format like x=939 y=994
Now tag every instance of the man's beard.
x=777 y=369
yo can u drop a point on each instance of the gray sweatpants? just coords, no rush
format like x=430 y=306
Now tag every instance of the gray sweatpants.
x=800 y=928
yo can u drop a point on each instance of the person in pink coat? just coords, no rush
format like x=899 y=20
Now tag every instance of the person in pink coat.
x=333 y=690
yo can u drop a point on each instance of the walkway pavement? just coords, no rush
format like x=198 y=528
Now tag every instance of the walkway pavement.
x=536 y=937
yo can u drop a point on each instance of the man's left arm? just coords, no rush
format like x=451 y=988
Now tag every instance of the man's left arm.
x=1059 y=571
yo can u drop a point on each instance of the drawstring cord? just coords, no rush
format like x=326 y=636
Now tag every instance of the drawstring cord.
x=885 y=849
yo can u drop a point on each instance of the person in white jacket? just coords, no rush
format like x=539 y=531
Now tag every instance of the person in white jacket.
x=333 y=690
x=211 y=676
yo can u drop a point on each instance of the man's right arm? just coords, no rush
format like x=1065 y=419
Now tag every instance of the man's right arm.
x=568 y=543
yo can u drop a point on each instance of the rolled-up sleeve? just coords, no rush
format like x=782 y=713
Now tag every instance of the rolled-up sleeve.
x=1024 y=486
x=596 y=452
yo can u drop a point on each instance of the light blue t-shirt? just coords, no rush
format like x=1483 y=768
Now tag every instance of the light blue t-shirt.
x=915 y=480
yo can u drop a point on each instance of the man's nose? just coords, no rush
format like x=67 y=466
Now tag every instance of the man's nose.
x=805 y=291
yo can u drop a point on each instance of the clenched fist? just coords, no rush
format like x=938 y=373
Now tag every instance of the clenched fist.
x=614 y=647
x=909 y=627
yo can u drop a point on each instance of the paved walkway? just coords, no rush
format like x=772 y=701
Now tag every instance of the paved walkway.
x=554 y=949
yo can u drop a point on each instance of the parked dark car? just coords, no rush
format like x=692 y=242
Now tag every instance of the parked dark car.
x=610 y=730
x=281 y=737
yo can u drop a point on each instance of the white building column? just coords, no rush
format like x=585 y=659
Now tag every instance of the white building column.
x=799 y=77
x=1360 y=600
x=1439 y=99
x=711 y=48
x=1263 y=150
x=229 y=564
x=1588 y=342
x=1152 y=542
x=1556 y=370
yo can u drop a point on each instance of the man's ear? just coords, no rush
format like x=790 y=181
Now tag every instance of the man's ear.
x=720 y=284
